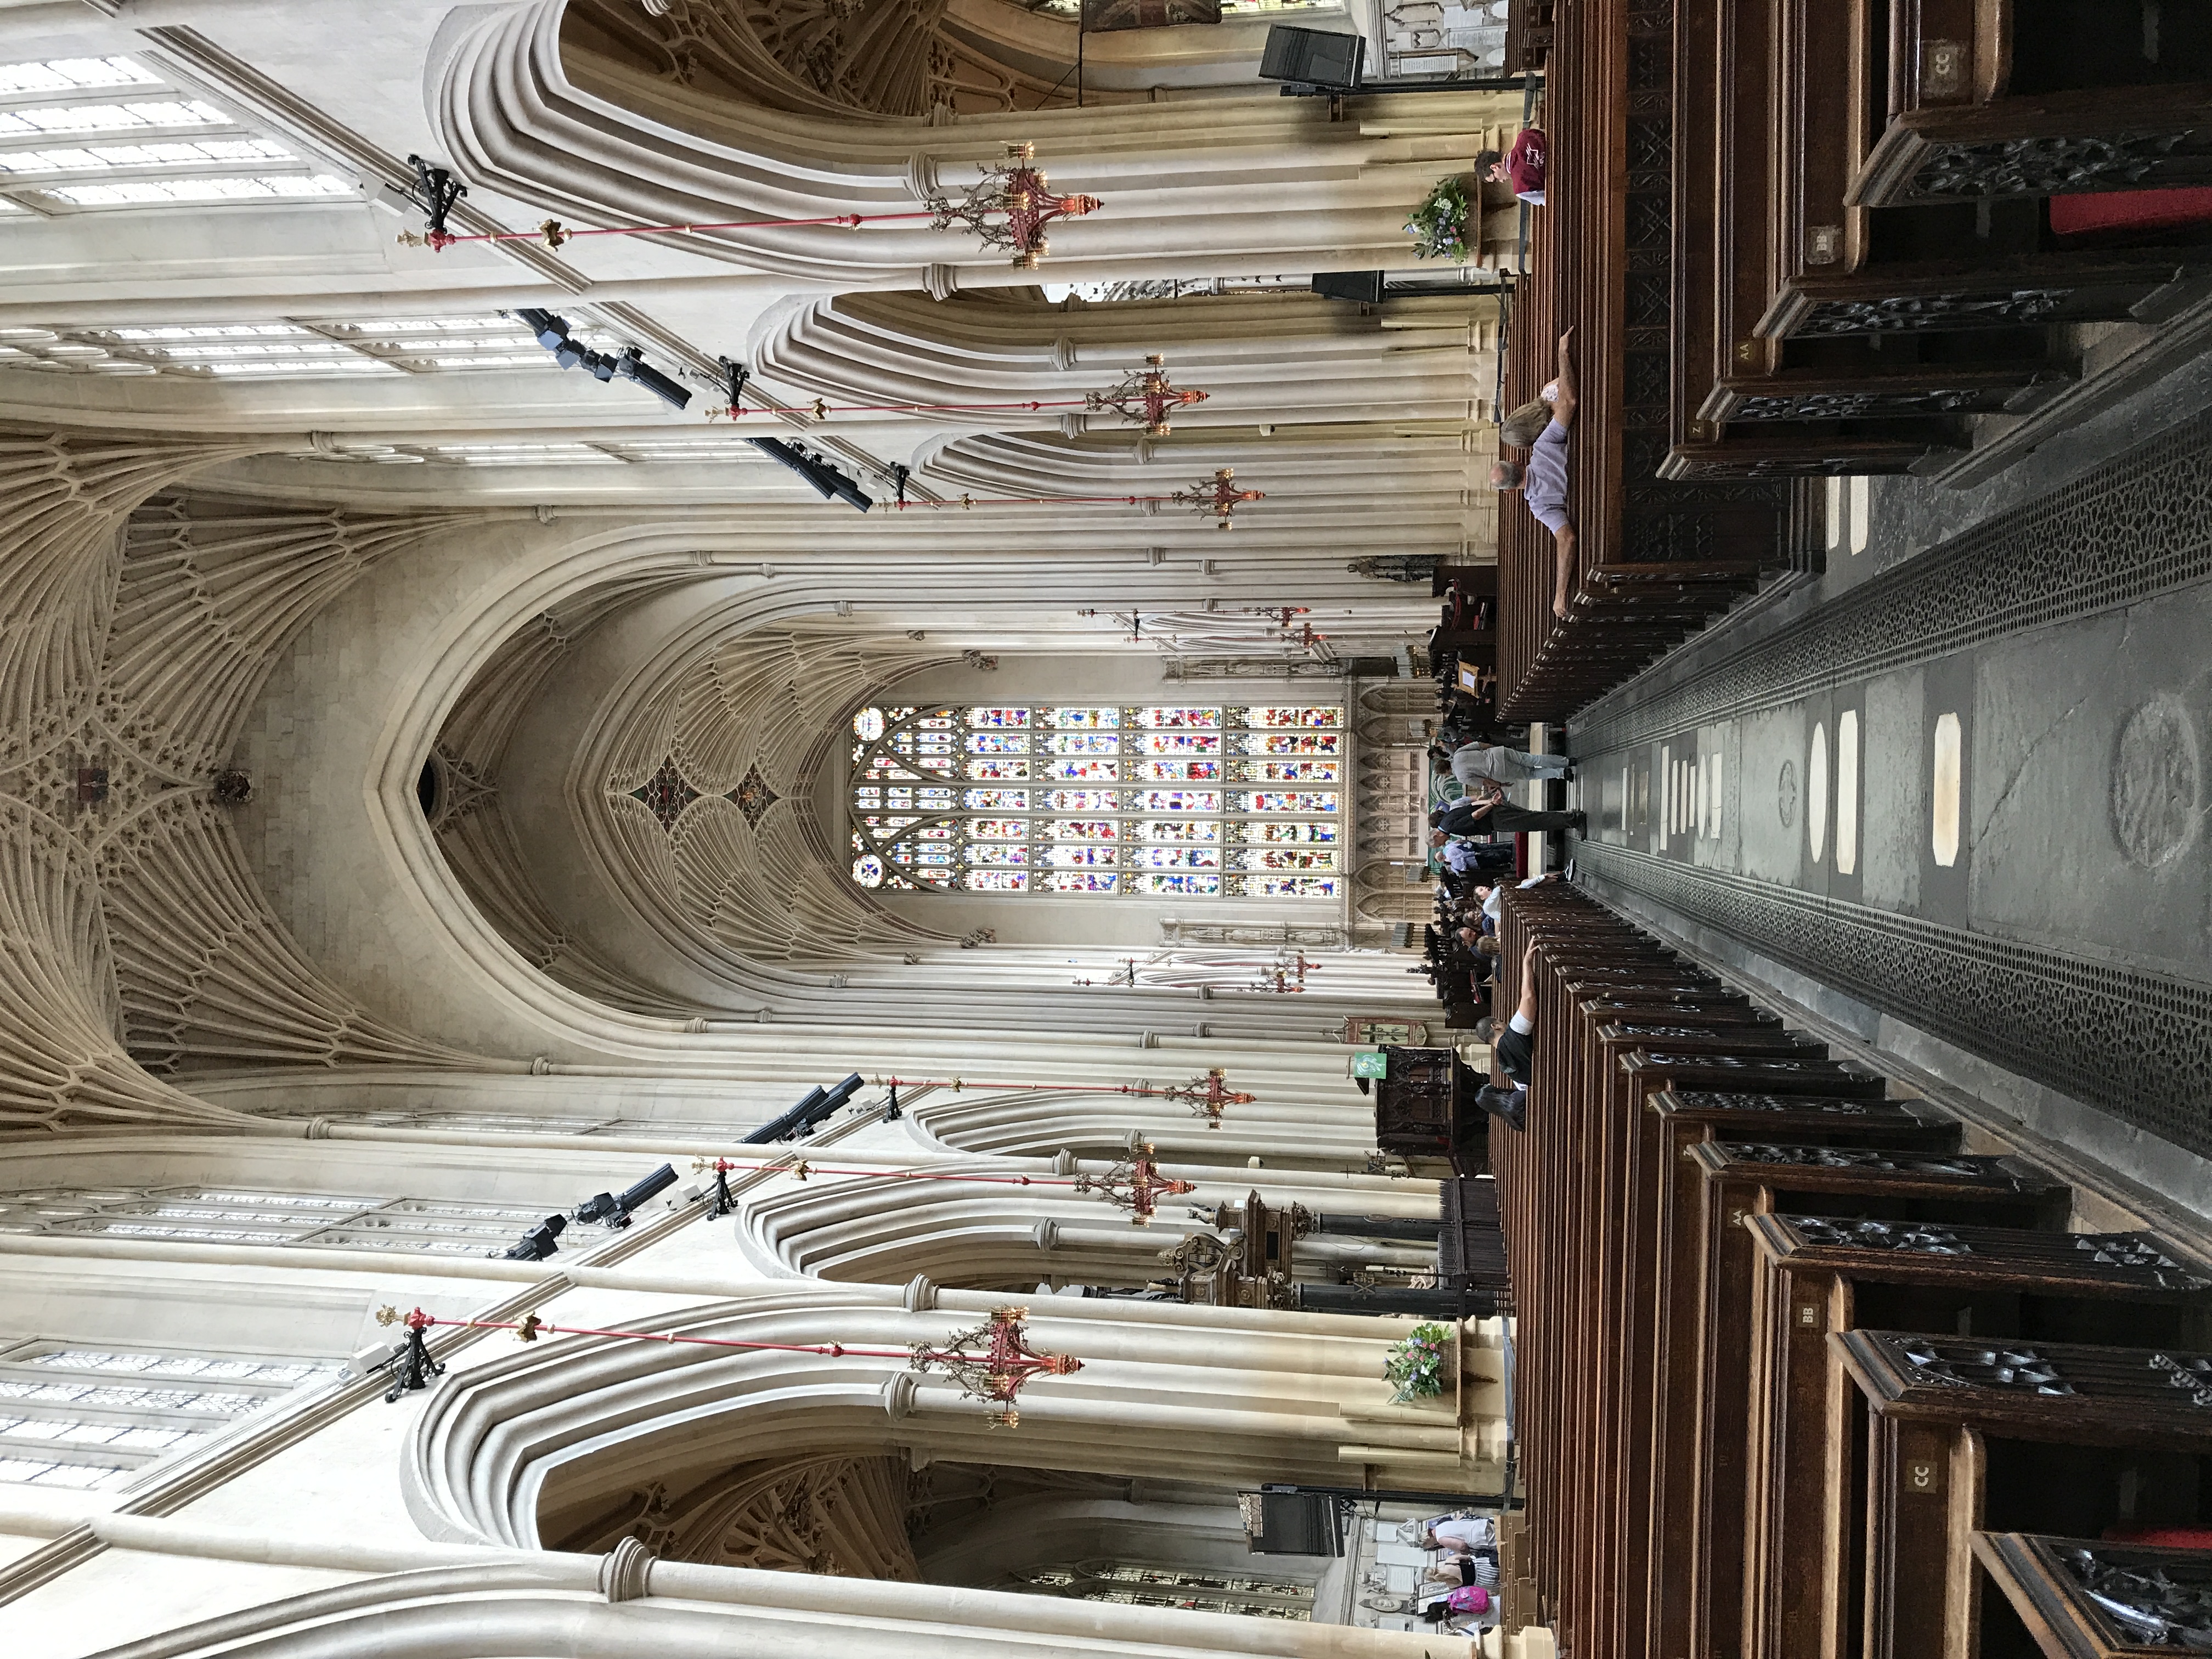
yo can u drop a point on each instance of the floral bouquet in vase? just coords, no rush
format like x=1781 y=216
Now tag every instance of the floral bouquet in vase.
x=1417 y=1364
x=1440 y=225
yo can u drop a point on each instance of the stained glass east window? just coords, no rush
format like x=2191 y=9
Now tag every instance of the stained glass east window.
x=1234 y=801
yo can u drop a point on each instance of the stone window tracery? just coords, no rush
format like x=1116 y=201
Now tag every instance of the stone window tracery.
x=82 y=1417
x=108 y=132
x=1142 y=1584
x=220 y=1215
x=336 y=348
x=1234 y=801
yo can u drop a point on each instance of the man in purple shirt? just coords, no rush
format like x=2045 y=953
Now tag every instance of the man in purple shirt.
x=1543 y=481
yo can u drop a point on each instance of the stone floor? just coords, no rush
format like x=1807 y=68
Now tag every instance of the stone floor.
x=1953 y=790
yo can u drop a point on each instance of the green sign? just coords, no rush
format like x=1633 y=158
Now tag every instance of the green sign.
x=1375 y=1065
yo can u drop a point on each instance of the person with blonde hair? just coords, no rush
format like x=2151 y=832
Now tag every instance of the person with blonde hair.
x=1542 y=481
x=1521 y=429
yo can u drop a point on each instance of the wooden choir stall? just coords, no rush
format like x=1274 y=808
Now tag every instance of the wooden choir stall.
x=1801 y=241
x=1802 y=1373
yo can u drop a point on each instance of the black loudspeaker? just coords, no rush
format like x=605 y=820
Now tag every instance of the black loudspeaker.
x=1291 y=1523
x=1313 y=55
x=1365 y=286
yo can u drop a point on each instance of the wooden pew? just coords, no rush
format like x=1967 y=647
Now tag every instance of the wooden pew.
x=2056 y=144
x=1471 y=1239
x=1767 y=205
x=1860 y=1158
x=1817 y=1276
x=1772 y=282
x=1529 y=25
x=1692 y=1174
x=1965 y=1435
x=1958 y=53
x=1630 y=1018
x=1607 y=106
x=2086 y=1598
x=1833 y=324
x=1574 y=1541
x=2031 y=291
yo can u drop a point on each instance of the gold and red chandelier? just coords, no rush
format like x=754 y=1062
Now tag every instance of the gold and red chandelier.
x=991 y=1362
x=1008 y=208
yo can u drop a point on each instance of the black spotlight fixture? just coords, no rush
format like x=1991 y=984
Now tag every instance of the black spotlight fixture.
x=816 y=1105
x=540 y=1243
x=551 y=331
x=734 y=376
x=816 y=469
x=435 y=192
x=632 y=367
x=613 y=1211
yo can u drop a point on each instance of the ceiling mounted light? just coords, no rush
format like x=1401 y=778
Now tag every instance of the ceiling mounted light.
x=552 y=332
x=826 y=480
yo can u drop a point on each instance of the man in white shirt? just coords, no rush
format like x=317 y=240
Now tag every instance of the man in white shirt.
x=1490 y=896
x=1515 y=1049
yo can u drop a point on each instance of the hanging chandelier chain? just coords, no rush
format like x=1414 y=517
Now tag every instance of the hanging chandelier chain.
x=1144 y=396
x=1008 y=208
x=996 y=1375
x=1208 y=1094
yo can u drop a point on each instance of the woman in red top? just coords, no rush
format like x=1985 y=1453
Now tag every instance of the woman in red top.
x=1523 y=168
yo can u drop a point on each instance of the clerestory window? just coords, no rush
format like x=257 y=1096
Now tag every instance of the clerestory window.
x=84 y=1416
x=229 y=1215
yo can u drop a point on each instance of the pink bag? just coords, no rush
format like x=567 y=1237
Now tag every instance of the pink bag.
x=1471 y=1599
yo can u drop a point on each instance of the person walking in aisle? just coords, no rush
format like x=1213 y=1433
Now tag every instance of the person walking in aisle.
x=1499 y=765
x=1494 y=814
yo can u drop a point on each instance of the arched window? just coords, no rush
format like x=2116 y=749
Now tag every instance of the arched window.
x=1235 y=801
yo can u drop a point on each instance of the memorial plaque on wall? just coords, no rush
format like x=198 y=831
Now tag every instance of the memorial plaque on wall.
x=1103 y=16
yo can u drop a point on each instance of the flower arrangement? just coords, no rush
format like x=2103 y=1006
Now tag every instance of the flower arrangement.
x=1416 y=1364
x=1439 y=225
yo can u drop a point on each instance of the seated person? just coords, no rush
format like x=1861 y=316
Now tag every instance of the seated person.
x=1471 y=1602
x=1515 y=1049
x=1478 y=956
x=1542 y=481
x=1522 y=167
x=1492 y=896
x=1462 y=858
